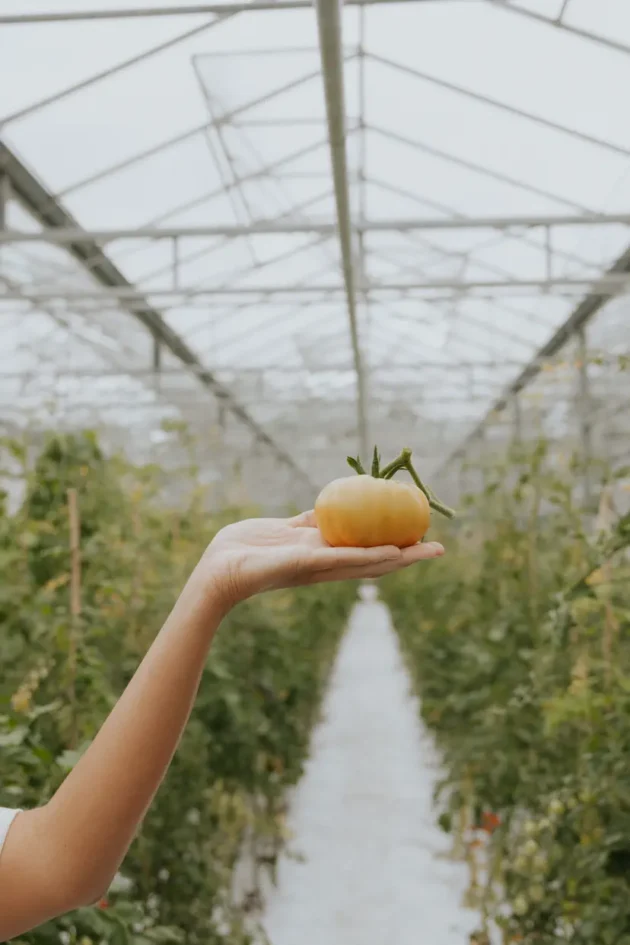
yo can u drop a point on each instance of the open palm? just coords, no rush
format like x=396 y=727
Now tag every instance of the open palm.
x=267 y=553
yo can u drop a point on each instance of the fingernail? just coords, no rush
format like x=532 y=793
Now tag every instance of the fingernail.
x=437 y=548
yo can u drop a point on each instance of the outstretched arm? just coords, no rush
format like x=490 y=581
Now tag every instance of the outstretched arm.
x=65 y=854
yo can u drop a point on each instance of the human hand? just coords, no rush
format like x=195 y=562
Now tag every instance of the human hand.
x=266 y=554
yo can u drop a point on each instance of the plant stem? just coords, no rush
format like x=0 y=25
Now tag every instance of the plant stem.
x=401 y=462
x=434 y=502
x=404 y=462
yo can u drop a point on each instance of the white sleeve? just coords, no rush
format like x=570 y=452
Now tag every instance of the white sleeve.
x=6 y=819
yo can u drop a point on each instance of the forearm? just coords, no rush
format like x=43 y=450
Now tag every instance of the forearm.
x=90 y=822
x=98 y=808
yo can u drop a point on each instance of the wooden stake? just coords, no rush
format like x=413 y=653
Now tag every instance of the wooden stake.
x=605 y=520
x=135 y=584
x=75 y=605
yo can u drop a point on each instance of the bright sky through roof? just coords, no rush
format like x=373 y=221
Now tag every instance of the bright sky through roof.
x=134 y=148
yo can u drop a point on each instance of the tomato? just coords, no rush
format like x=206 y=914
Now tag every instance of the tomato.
x=370 y=511
x=364 y=512
x=490 y=821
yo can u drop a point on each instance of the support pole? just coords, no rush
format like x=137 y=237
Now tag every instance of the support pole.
x=5 y=196
x=362 y=182
x=176 y=263
x=548 y=255
x=157 y=356
x=74 y=523
x=584 y=413
x=329 y=26
x=517 y=420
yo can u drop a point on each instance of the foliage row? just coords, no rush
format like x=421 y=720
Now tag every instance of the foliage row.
x=61 y=673
x=518 y=643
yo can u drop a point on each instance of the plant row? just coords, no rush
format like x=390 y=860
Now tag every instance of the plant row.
x=518 y=644
x=73 y=632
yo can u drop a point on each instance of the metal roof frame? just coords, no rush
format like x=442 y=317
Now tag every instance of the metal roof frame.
x=41 y=204
x=572 y=327
x=86 y=246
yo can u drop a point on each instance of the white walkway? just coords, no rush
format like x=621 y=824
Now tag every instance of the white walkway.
x=375 y=870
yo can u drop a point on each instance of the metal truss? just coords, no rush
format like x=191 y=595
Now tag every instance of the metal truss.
x=271 y=227
x=561 y=24
x=198 y=9
x=612 y=284
x=573 y=327
x=46 y=210
x=431 y=271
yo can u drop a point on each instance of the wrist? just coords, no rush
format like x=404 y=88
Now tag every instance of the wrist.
x=204 y=602
x=215 y=577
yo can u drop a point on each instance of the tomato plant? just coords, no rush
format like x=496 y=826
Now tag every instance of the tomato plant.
x=62 y=672
x=373 y=510
x=518 y=645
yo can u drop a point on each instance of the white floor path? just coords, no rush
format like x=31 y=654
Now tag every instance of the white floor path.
x=375 y=869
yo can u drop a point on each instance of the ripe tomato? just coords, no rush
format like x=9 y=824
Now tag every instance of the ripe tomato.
x=369 y=511
x=490 y=821
x=364 y=512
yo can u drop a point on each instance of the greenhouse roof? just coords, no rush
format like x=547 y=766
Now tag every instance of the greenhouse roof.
x=186 y=238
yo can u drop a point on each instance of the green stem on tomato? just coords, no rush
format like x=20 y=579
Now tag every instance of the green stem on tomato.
x=401 y=462
x=404 y=462
x=433 y=500
x=390 y=471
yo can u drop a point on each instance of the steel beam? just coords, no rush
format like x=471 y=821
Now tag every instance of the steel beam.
x=45 y=371
x=49 y=213
x=605 y=41
x=579 y=318
x=451 y=212
x=196 y=9
x=477 y=168
x=502 y=106
x=607 y=285
x=289 y=412
x=563 y=10
x=270 y=227
x=329 y=14
x=187 y=135
x=116 y=69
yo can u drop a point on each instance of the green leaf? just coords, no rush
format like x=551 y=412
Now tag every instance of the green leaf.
x=376 y=464
x=356 y=465
x=71 y=757
x=14 y=738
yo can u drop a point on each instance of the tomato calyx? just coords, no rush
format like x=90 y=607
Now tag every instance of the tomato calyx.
x=401 y=462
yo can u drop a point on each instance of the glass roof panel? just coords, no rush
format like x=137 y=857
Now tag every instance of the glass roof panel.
x=215 y=128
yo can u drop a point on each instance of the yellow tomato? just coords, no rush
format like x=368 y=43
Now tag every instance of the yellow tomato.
x=366 y=512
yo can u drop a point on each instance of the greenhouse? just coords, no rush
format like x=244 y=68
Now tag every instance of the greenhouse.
x=240 y=242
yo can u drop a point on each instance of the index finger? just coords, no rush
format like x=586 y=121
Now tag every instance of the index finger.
x=367 y=557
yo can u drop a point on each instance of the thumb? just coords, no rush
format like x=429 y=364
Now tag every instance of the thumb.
x=305 y=520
